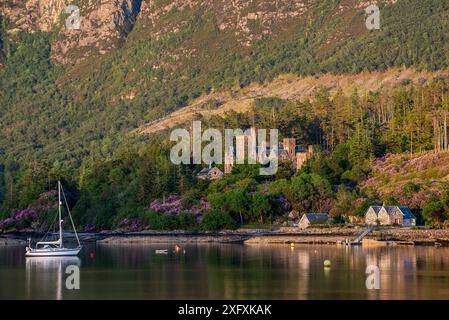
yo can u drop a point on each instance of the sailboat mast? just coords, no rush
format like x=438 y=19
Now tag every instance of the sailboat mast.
x=60 y=219
x=70 y=216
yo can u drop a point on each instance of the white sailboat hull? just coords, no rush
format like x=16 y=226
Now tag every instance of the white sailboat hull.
x=52 y=252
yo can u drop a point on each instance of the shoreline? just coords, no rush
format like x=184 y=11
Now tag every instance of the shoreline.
x=282 y=235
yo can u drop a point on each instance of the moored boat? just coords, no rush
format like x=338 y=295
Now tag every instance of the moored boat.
x=55 y=248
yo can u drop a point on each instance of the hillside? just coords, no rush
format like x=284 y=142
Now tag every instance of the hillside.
x=412 y=180
x=72 y=99
x=135 y=61
x=289 y=87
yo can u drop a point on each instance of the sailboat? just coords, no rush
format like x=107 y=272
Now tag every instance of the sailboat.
x=55 y=248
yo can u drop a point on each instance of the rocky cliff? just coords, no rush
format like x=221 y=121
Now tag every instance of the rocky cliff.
x=104 y=24
x=31 y=15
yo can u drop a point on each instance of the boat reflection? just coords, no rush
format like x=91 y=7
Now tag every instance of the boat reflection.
x=47 y=275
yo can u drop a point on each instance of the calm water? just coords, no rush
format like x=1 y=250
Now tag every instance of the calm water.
x=228 y=272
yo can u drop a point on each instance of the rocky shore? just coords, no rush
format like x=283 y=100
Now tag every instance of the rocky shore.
x=388 y=236
x=175 y=238
x=282 y=235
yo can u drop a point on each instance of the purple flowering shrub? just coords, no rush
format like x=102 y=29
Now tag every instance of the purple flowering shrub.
x=175 y=205
x=132 y=225
x=33 y=216
x=408 y=180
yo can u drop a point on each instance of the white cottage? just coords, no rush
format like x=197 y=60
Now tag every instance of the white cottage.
x=390 y=215
x=372 y=215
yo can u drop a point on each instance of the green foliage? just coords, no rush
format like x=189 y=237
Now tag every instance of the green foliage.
x=436 y=211
x=159 y=221
x=259 y=207
x=190 y=198
x=217 y=220
x=306 y=190
x=73 y=124
x=343 y=203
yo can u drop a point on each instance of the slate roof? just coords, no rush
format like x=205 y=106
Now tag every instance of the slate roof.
x=407 y=212
x=376 y=208
x=204 y=172
x=312 y=217
x=390 y=209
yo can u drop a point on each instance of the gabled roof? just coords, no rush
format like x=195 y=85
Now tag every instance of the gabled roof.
x=375 y=208
x=205 y=171
x=406 y=212
x=312 y=217
x=390 y=209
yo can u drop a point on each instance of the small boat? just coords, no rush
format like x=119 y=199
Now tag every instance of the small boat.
x=162 y=251
x=352 y=243
x=55 y=248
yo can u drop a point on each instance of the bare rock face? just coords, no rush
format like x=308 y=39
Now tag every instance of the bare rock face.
x=103 y=23
x=31 y=15
x=248 y=20
x=49 y=13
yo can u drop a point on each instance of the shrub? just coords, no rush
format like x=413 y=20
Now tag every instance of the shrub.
x=217 y=220
x=186 y=220
x=190 y=198
x=433 y=213
x=411 y=188
x=160 y=221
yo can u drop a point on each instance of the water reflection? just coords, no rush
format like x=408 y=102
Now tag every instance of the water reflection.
x=229 y=272
x=47 y=275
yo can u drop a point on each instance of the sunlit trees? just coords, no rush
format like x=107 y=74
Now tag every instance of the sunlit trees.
x=259 y=207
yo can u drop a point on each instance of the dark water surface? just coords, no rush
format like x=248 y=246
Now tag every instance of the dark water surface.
x=231 y=271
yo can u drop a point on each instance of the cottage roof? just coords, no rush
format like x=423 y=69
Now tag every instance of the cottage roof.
x=390 y=209
x=316 y=216
x=376 y=208
x=204 y=172
x=407 y=212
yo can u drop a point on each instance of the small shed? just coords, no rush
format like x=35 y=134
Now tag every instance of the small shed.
x=309 y=219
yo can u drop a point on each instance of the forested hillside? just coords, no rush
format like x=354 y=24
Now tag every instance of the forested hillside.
x=68 y=111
